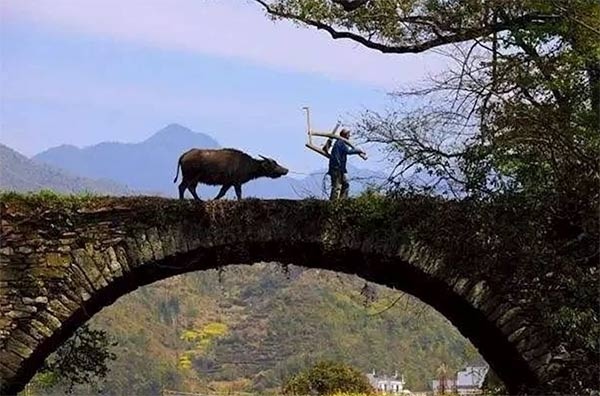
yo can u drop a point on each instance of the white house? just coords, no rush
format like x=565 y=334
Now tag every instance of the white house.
x=390 y=385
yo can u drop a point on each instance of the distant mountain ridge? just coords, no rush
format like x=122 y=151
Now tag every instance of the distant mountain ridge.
x=146 y=166
x=19 y=173
x=151 y=165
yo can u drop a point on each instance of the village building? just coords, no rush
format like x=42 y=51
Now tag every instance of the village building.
x=392 y=385
x=467 y=382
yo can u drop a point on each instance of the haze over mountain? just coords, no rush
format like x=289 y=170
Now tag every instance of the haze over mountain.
x=151 y=165
x=19 y=173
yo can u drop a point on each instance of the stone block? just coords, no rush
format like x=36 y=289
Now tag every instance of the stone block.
x=10 y=359
x=88 y=267
x=24 y=338
x=40 y=327
x=168 y=241
x=58 y=260
x=6 y=372
x=155 y=243
x=122 y=257
x=49 y=320
x=145 y=248
x=18 y=314
x=58 y=309
x=101 y=264
x=113 y=262
x=18 y=348
x=77 y=277
x=508 y=315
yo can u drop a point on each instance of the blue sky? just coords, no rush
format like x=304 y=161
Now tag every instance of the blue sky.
x=82 y=72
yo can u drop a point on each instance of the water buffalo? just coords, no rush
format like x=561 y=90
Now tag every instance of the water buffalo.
x=224 y=167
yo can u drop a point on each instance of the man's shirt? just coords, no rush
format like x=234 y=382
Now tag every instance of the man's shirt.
x=339 y=156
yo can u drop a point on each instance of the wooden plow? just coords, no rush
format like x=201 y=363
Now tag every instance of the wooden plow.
x=329 y=135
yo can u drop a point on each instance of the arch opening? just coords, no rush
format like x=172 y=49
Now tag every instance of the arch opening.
x=392 y=272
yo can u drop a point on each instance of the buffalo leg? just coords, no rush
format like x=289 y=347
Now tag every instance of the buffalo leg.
x=192 y=189
x=223 y=191
x=238 y=191
x=182 y=187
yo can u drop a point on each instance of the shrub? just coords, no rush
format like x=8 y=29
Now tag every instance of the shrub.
x=327 y=378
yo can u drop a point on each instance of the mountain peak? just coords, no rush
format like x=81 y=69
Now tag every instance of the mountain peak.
x=171 y=131
x=177 y=135
x=175 y=127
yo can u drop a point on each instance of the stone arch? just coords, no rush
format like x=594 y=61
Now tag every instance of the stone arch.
x=61 y=266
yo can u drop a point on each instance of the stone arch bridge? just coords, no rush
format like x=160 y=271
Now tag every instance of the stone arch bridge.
x=64 y=259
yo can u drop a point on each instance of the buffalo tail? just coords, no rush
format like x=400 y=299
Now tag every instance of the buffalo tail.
x=177 y=172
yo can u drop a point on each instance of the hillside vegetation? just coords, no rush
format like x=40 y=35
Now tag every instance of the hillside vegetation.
x=248 y=328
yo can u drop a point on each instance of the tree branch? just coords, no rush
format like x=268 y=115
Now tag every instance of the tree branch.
x=350 y=5
x=440 y=40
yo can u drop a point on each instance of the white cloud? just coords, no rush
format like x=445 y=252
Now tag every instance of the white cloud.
x=226 y=28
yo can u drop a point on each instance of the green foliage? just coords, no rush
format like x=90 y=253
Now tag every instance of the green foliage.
x=278 y=323
x=48 y=199
x=519 y=112
x=511 y=128
x=82 y=359
x=328 y=378
x=45 y=380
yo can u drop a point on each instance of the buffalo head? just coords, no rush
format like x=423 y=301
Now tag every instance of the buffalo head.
x=270 y=168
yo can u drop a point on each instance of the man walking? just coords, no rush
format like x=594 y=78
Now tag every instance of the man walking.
x=337 y=165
